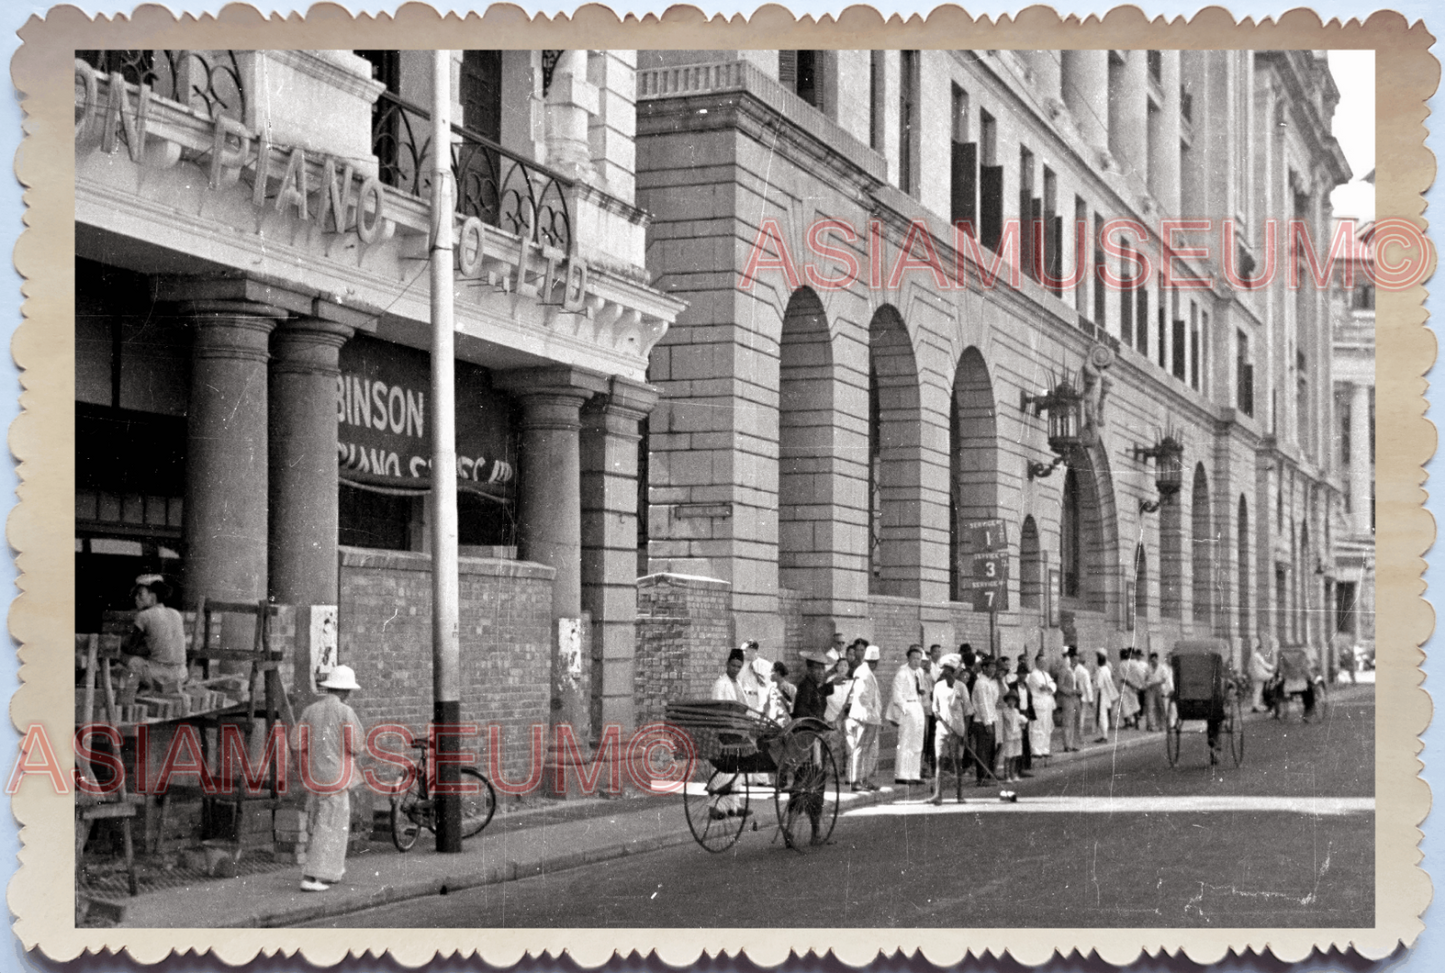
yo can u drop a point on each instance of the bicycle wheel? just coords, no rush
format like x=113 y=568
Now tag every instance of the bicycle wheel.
x=807 y=798
x=716 y=806
x=478 y=808
x=409 y=815
x=1172 y=735
x=1234 y=726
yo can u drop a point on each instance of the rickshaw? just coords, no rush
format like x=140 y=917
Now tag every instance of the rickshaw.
x=1205 y=688
x=1295 y=677
x=734 y=747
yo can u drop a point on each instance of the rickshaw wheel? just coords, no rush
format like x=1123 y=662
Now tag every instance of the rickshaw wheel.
x=717 y=809
x=1172 y=737
x=1234 y=726
x=812 y=787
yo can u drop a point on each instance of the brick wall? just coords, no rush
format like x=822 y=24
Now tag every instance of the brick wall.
x=684 y=631
x=506 y=645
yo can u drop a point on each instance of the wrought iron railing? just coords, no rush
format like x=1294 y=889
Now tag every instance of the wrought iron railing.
x=211 y=77
x=498 y=187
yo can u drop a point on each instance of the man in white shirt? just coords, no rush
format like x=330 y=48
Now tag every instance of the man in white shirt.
x=985 y=721
x=1108 y=694
x=865 y=717
x=755 y=677
x=726 y=687
x=905 y=711
x=951 y=709
x=1084 y=682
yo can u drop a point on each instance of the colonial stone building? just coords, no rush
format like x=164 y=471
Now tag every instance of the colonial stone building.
x=1123 y=366
x=1354 y=364
x=252 y=354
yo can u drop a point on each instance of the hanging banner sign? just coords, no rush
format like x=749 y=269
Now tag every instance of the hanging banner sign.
x=382 y=398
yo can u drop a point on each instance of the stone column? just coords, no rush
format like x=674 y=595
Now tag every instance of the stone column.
x=1129 y=122
x=304 y=371
x=571 y=102
x=1086 y=93
x=226 y=451
x=1361 y=462
x=549 y=514
x=609 y=544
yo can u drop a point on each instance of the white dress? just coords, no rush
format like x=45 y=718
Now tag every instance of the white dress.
x=905 y=707
x=1041 y=729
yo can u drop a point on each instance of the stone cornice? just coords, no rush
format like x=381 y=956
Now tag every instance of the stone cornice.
x=342 y=70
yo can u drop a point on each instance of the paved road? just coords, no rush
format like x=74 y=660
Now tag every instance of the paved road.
x=1119 y=840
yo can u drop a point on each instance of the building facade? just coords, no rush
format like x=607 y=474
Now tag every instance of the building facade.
x=252 y=358
x=858 y=387
x=1354 y=363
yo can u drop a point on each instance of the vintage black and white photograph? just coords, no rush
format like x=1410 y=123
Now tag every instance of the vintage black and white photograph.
x=693 y=489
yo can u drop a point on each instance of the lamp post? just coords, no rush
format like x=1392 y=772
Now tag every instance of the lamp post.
x=1063 y=403
x=1168 y=457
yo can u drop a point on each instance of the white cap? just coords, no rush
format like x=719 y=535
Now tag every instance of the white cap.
x=340 y=678
x=953 y=660
x=872 y=654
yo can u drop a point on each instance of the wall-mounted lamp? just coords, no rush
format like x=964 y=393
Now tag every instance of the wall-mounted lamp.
x=1168 y=457
x=1064 y=404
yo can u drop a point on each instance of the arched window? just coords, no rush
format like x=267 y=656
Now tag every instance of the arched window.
x=1070 y=553
x=1203 y=553
x=895 y=560
x=1031 y=566
x=972 y=454
x=1141 y=582
x=806 y=469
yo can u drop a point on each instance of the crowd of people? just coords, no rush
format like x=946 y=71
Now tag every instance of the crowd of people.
x=966 y=711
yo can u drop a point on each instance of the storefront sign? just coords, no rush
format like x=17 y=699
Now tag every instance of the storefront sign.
x=382 y=397
x=983 y=567
x=338 y=199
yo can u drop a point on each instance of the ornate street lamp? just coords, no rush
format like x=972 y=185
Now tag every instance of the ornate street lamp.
x=1168 y=457
x=1064 y=404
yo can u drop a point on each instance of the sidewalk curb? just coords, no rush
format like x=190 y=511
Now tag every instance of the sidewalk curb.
x=508 y=871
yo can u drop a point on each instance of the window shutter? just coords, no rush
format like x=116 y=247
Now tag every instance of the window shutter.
x=788 y=70
x=990 y=205
x=965 y=183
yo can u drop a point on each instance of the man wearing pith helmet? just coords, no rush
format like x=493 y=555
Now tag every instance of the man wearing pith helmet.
x=328 y=738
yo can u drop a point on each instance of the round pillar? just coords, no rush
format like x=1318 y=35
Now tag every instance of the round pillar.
x=549 y=503
x=226 y=451
x=303 y=433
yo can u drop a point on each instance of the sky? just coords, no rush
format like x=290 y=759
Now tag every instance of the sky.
x=1354 y=129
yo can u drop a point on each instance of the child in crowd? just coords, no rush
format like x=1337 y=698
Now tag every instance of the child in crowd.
x=1012 y=724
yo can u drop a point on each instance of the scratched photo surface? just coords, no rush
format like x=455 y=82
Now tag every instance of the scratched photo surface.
x=897 y=489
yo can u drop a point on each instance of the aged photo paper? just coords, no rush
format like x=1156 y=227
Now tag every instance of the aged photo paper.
x=954 y=487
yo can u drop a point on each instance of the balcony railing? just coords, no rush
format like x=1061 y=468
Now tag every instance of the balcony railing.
x=212 y=78
x=496 y=186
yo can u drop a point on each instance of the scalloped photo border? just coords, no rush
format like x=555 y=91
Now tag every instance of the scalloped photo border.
x=40 y=528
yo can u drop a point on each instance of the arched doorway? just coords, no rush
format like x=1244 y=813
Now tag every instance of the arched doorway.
x=1141 y=583
x=972 y=453
x=1202 y=554
x=894 y=469
x=1088 y=541
x=806 y=474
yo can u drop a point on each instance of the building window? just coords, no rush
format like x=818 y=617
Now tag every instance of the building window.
x=876 y=103
x=1053 y=230
x=1194 y=346
x=964 y=165
x=1126 y=302
x=908 y=123
x=1203 y=551
x=1030 y=212
x=1070 y=556
x=1242 y=567
x=1177 y=358
x=1156 y=66
x=1363 y=298
x=377 y=520
x=990 y=183
x=1141 y=582
x=1244 y=374
x=1082 y=256
x=801 y=73
x=875 y=486
x=1031 y=566
x=1101 y=292
x=1141 y=315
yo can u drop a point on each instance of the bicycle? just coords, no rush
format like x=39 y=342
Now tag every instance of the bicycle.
x=415 y=808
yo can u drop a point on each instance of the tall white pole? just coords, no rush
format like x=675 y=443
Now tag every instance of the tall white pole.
x=446 y=660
